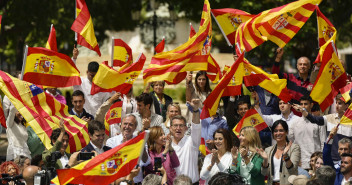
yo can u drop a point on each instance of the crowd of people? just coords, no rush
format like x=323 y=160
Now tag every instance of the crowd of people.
x=302 y=145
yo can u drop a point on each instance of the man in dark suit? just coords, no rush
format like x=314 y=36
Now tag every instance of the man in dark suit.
x=78 y=102
x=96 y=131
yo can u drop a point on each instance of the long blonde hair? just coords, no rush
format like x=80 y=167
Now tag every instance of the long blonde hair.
x=167 y=121
x=252 y=137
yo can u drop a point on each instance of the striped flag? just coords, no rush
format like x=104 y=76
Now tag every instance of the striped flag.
x=47 y=67
x=2 y=116
x=331 y=76
x=202 y=148
x=192 y=31
x=229 y=20
x=51 y=43
x=106 y=167
x=83 y=26
x=113 y=116
x=251 y=119
x=326 y=30
x=345 y=92
x=43 y=112
x=233 y=78
x=281 y=24
x=168 y=65
x=160 y=47
x=347 y=117
x=108 y=79
x=121 y=53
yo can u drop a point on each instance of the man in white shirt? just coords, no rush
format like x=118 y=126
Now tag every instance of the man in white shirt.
x=93 y=102
x=96 y=132
x=145 y=118
x=187 y=147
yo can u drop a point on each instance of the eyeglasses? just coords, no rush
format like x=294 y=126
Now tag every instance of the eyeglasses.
x=178 y=126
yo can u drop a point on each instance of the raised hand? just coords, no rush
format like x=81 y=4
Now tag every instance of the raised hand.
x=234 y=153
x=62 y=125
x=262 y=153
x=146 y=123
x=287 y=147
x=189 y=78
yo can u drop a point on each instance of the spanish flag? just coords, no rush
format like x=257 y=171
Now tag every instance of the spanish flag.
x=251 y=119
x=345 y=92
x=106 y=167
x=347 y=117
x=121 y=53
x=51 y=43
x=160 y=47
x=202 y=148
x=232 y=78
x=43 y=112
x=331 y=76
x=83 y=26
x=326 y=30
x=108 y=79
x=113 y=116
x=229 y=20
x=2 y=116
x=47 y=67
x=168 y=65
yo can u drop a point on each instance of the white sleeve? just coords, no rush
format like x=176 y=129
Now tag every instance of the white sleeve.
x=204 y=172
x=196 y=134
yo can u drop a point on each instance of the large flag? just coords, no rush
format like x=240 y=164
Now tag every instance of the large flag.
x=51 y=43
x=160 y=47
x=202 y=148
x=251 y=119
x=113 y=116
x=228 y=20
x=255 y=76
x=43 y=112
x=46 y=67
x=347 y=117
x=345 y=92
x=281 y=24
x=121 y=53
x=2 y=116
x=168 y=65
x=326 y=30
x=108 y=79
x=331 y=76
x=234 y=77
x=106 y=167
x=83 y=26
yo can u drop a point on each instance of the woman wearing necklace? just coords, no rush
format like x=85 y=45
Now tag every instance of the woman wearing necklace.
x=280 y=160
x=160 y=100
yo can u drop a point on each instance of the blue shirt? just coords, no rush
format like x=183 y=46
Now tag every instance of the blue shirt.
x=209 y=126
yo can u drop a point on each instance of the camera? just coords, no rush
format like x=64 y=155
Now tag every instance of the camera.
x=49 y=172
x=85 y=156
x=5 y=179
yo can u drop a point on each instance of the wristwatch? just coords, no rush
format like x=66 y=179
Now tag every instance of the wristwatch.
x=286 y=157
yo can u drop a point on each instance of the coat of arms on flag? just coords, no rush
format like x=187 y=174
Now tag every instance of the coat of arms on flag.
x=44 y=65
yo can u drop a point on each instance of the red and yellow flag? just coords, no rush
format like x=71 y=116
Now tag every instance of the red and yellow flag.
x=46 y=67
x=331 y=76
x=231 y=78
x=51 y=43
x=347 y=117
x=83 y=26
x=122 y=53
x=0 y=21
x=345 y=92
x=168 y=65
x=326 y=30
x=281 y=24
x=43 y=112
x=251 y=119
x=202 y=148
x=228 y=20
x=108 y=79
x=2 y=116
x=160 y=47
x=106 y=167
x=113 y=116
x=192 y=31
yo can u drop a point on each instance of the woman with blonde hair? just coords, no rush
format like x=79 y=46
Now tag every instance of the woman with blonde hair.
x=160 y=150
x=246 y=160
x=173 y=109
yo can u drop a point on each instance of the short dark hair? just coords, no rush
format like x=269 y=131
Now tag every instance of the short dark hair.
x=241 y=102
x=36 y=160
x=227 y=137
x=306 y=98
x=93 y=66
x=94 y=125
x=145 y=98
x=346 y=155
x=178 y=117
x=77 y=93
x=55 y=134
x=222 y=178
x=326 y=174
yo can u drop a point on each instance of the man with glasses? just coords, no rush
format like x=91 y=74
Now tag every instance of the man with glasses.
x=187 y=147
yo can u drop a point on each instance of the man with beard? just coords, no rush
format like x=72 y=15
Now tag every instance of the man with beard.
x=345 y=174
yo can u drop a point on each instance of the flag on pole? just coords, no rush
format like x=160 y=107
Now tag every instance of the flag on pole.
x=347 y=117
x=160 y=47
x=113 y=116
x=168 y=65
x=43 y=112
x=326 y=30
x=83 y=26
x=121 y=53
x=251 y=119
x=51 y=43
x=108 y=79
x=228 y=20
x=192 y=31
x=202 y=148
x=106 y=167
x=46 y=67
x=331 y=76
x=345 y=92
x=2 y=116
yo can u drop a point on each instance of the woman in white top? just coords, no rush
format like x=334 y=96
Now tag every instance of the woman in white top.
x=221 y=158
x=173 y=109
x=17 y=135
